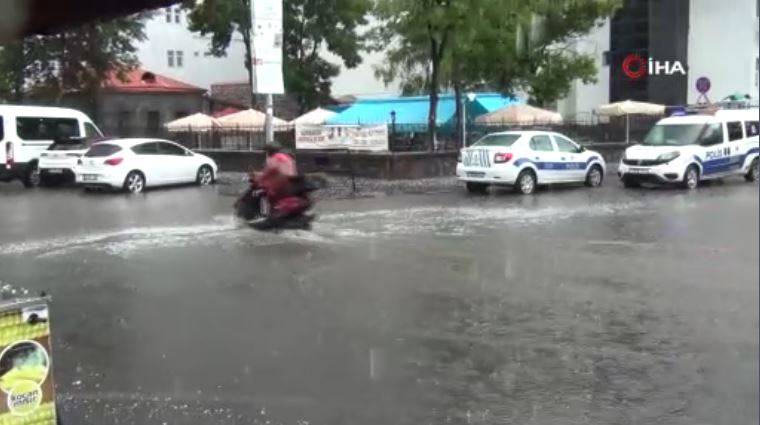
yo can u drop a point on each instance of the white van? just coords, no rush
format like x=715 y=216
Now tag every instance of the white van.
x=690 y=148
x=27 y=131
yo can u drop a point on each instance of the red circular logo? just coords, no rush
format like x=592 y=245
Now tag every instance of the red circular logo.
x=634 y=66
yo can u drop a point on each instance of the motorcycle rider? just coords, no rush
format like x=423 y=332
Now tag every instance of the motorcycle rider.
x=279 y=180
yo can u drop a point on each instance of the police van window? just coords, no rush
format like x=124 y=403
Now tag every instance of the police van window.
x=734 y=131
x=564 y=145
x=541 y=144
x=713 y=135
x=752 y=128
x=34 y=128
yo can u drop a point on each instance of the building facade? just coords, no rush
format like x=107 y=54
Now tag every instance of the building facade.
x=655 y=50
x=172 y=50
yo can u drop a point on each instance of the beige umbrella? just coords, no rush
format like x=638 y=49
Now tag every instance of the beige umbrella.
x=193 y=123
x=250 y=118
x=520 y=115
x=628 y=107
x=314 y=117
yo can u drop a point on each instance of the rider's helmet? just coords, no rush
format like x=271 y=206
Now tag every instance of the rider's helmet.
x=272 y=148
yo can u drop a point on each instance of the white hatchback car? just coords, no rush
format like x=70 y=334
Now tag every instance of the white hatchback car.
x=134 y=164
x=525 y=159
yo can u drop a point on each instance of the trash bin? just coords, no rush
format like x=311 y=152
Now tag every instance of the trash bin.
x=26 y=369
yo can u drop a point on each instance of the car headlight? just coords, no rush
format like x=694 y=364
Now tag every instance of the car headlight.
x=667 y=157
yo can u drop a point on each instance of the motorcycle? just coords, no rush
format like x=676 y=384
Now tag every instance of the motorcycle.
x=254 y=207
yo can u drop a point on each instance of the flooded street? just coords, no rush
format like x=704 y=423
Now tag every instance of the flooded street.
x=572 y=306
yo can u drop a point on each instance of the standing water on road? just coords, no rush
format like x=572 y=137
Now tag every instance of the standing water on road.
x=568 y=307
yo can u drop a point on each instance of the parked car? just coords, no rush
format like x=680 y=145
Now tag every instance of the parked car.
x=134 y=164
x=688 y=149
x=57 y=163
x=525 y=159
x=27 y=131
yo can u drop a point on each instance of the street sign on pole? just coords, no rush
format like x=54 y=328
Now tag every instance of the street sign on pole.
x=266 y=28
x=703 y=86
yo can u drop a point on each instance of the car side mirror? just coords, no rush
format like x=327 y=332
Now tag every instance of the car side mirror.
x=581 y=149
x=188 y=153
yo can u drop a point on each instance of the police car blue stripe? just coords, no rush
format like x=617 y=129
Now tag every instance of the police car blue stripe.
x=546 y=165
x=725 y=164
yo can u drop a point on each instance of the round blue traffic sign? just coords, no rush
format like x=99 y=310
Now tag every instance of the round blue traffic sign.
x=703 y=85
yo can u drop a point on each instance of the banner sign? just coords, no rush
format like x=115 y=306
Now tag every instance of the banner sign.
x=266 y=16
x=369 y=138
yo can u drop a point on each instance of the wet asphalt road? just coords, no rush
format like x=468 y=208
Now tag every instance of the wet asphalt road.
x=572 y=306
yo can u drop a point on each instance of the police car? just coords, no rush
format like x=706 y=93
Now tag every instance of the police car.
x=690 y=148
x=525 y=159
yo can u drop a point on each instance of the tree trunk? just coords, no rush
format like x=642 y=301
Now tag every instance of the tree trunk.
x=460 y=142
x=249 y=63
x=432 y=113
x=19 y=74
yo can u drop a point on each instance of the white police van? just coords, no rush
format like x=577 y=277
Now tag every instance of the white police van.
x=690 y=148
x=27 y=131
x=525 y=159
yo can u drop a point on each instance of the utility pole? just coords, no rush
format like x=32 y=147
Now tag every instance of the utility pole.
x=269 y=128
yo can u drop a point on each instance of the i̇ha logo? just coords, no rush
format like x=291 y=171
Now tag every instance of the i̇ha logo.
x=635 y=67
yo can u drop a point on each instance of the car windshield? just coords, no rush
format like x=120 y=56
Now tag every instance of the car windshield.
x=497 y=140
x=673 y=135
x=101 y=150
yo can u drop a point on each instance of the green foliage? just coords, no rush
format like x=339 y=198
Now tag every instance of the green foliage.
x=504 y=45
x=310 y=27
x=75 y=59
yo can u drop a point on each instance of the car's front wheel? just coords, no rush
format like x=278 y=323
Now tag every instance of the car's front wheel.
x=135 y=182
x=690 y=178
x=526 y=182
x=754 y=172
x=594 y=176
x=205 y=176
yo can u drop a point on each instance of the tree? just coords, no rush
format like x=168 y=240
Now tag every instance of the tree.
x=420 y=32
x=504 y=45
x=73 y=60
x=310 y=28
x=222 y=19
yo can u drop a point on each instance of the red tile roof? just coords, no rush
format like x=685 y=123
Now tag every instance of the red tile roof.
x=142 y=81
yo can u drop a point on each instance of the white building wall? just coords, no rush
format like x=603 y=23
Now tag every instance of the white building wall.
x=583 y=99
x=723 y=46
x=198 y=68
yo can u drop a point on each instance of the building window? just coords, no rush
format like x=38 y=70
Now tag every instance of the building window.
x=757 y=70
x=180 y=59
x=176 y=15
x=169 y=15
x=170 y=58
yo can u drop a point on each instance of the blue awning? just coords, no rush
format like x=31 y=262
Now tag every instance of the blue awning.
x=413 y=111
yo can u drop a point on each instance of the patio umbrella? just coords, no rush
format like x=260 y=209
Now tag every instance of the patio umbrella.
x=520 y=115
x=249 y=119
x=628 y=107
x=314 y=117
x=196 y=122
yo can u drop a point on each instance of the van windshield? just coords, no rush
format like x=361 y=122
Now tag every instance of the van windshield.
x=673 y=135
